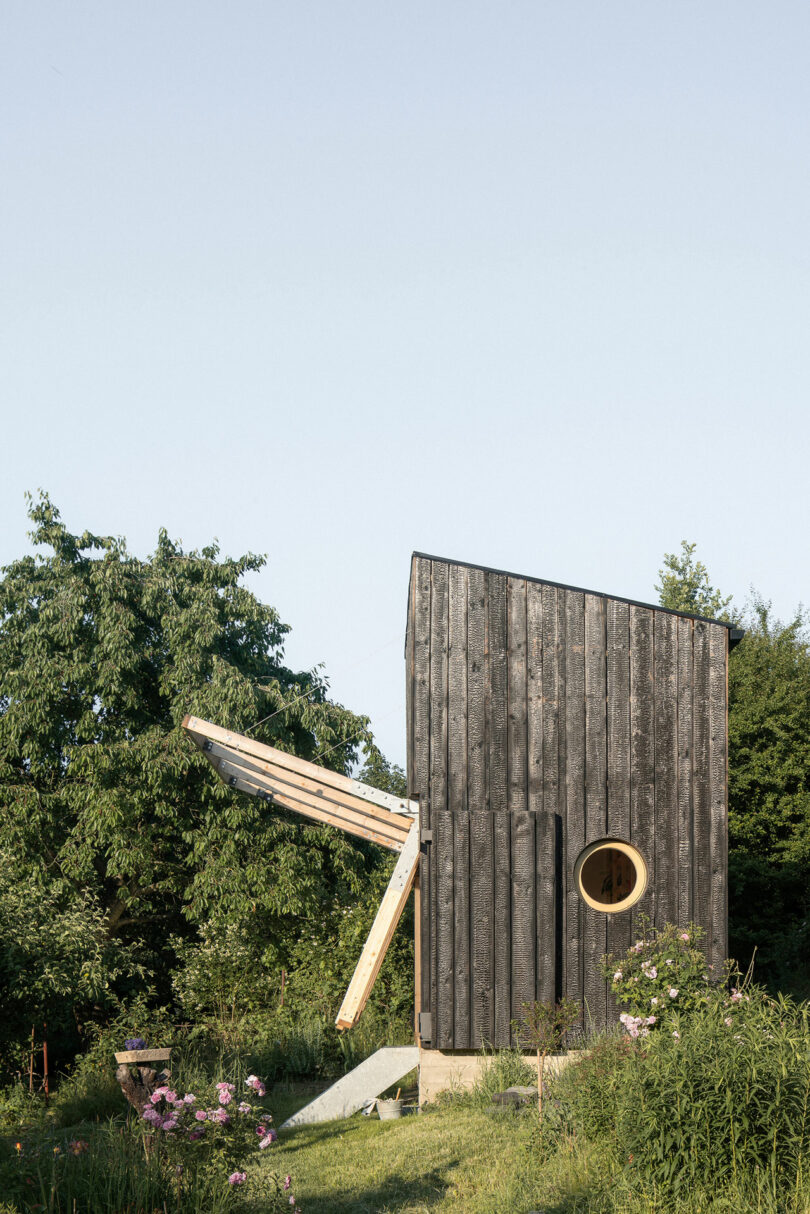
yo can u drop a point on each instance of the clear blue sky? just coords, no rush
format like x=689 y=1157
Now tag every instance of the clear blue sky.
x=520 y=283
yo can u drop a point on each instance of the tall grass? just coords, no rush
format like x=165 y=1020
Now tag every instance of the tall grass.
x=722 y=1104
x=105 y=1172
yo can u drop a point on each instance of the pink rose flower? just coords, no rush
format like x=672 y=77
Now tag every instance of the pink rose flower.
x=237 y=1178
x=201 y=1115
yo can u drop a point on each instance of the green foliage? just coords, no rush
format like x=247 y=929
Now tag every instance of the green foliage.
x=503 y=1069
x=588 y=1091
x=542 y=1026
x=55 y=955
x=769 y=798
x=662 y=976
x=769 y=776
x=717 y=1096
x=684 y=586
x=769 y=739
x=105 y=1169
x=730 y=1096
x=110 y=809
x=720 y=1102
x=379 y=773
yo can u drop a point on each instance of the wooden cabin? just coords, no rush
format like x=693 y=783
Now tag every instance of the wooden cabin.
x=567 y=783
x=567 y=750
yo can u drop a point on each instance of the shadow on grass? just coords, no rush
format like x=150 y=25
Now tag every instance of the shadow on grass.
x=396 y=1193
x=332 y=1193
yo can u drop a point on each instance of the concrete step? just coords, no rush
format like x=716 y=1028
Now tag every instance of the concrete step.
x=362 y=1084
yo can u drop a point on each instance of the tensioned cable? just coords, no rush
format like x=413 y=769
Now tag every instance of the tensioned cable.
x=308 y=692
x=357 y=733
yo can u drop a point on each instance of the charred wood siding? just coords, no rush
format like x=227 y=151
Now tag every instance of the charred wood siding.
x=540 y=719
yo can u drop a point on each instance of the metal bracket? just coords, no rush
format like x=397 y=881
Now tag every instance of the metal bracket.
x=426 y=835
x=425 y=1027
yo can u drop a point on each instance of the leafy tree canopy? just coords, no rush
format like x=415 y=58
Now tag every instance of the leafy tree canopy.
x=769 y=775
x=684 y=585
x=101 y=656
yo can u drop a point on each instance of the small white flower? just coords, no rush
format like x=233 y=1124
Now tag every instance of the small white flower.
x=673 y=992
x=617 y=976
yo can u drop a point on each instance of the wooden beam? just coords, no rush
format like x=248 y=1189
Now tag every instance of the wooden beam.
x=258 y=785
x=325 y=796
x=376 y=945
x=331 y=779
x=312 y=792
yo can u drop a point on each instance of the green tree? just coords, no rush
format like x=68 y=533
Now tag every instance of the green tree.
x=684 y=585
x=769 y=775
x=380 y=773
x=101 y=656
x=769 y=798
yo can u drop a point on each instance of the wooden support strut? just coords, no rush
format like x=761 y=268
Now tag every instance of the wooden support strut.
x=325 y=796
x=376 y=945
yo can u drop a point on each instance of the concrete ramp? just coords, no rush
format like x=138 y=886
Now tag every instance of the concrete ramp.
x=364 y=1083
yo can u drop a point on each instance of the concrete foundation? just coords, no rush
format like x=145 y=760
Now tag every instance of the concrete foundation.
x=458 y=1071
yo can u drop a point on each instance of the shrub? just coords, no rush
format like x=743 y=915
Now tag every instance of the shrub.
x=722 y=1097
x=663 y=974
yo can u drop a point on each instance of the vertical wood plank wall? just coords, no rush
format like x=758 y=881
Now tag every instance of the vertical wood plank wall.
x=539 y=720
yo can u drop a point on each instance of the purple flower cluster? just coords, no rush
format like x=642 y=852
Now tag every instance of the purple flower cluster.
x=173 y=1115
x=168 y=1118
x=267 y=1136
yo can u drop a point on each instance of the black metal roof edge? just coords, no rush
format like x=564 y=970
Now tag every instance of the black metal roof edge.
x=735 y=633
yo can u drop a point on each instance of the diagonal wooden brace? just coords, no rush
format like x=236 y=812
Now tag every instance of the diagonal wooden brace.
x=325 y=796
x=382 y=930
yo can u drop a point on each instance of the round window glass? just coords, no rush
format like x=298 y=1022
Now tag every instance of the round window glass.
x=611 y=875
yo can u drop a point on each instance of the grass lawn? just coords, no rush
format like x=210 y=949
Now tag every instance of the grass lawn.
x=464 y=1156
x=455 y=1157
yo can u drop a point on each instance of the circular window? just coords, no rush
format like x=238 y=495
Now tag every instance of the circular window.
x=611 y=875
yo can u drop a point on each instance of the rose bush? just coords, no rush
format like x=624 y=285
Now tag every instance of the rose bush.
x=663 y=976
x=207 y=1138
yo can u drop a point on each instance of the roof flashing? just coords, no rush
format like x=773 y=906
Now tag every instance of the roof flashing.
x=735 y=633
